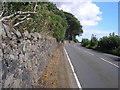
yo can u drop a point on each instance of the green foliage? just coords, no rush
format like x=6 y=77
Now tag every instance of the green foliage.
x=94 y=41
x=75 y=28
x=12 y=7
x=117 y=51
x=76 y=40
x=110 y=44
x=60 y=27
x=48 y=19
x=85 y=42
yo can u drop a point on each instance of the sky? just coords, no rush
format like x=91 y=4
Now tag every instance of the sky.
x=98 y=18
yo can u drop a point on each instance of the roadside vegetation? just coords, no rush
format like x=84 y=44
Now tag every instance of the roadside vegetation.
x=42 y=17
x=108 y=44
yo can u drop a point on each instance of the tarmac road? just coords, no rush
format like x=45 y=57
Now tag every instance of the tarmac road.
x=93 y=69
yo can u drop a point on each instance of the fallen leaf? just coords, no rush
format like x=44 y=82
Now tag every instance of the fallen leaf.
x=45 y=75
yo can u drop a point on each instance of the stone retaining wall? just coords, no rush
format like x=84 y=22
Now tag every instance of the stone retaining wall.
x=23 y=57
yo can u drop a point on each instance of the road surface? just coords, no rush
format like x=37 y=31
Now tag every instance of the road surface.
x=93 y=69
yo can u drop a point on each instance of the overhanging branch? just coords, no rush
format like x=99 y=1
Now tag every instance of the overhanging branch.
x=15 y=14
x=21 y=22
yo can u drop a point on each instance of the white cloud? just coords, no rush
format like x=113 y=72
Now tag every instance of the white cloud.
x=86 y=11
x=65 y=8
x=99 y=33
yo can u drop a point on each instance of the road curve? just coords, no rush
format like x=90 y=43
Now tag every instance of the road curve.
x=93 y=69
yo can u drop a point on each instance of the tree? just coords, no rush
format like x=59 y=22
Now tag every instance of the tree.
x=15 y=13
x=74 y=26
x=60 y=26
x=85 y=42
x=42 y=17
x=94 y=41
x=110 y=42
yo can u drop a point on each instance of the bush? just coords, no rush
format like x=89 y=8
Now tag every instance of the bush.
x=93 y=42
x=75 y=40
x=117 y=51
x=108 y=44
x=111 y=42
x=88 y=46
x=85 y=42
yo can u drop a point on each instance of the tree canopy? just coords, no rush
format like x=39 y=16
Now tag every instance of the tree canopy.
x=109 y=44
x=75 y=28
x=47 y=19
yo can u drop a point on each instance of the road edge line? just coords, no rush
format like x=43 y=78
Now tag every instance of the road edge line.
x=109 y=62
x=76 y=78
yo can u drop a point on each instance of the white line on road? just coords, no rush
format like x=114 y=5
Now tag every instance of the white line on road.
x=76 y=78
x=111 y=55
x=89 y=53
x=110 y=62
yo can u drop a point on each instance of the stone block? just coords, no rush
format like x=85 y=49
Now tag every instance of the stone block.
x=7 y=30
x=17 y=33
x=9 y=81
x=16 y=83
x=37 y=35
x=2 y=31
x=12 y=57
x=26 y=33
x=25 y=75
x=1 y=55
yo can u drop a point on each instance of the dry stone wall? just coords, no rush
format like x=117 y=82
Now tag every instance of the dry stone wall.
x=23 y=57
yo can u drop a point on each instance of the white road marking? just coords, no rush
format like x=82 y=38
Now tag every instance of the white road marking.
x=89 y=53
x=110 y=62
x=76 y=78
x=111 y=55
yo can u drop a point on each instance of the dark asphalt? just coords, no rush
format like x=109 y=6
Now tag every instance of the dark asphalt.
x=91 y=69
